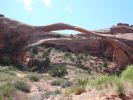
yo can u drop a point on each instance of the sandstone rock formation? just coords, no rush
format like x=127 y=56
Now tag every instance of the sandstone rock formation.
x=121 y=43
x=76 y=45
x=15 y=36
x=121 y=28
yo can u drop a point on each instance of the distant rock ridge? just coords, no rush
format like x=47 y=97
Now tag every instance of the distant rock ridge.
x=121 y=28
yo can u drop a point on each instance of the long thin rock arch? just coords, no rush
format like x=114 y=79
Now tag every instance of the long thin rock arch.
x=123 y=52
x=16 y=34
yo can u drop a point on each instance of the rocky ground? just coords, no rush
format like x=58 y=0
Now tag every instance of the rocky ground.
x=73 y=85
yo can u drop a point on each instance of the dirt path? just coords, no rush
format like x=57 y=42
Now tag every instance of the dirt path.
x=39 y=90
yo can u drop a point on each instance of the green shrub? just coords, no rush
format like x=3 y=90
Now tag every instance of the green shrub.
x=5 y=75
x=82 y=66
x=103 y=81
x=41 y=64
x=52 y=93
x=128 y=74
x=58 y=71
x=80 y=56
x=5 y=61
x=105 y=64
x=56 y=92
x=12 y=68
x=22 y=86
x=66 y=84
x=88 y=71
x=82 y=82
x=119 y=86
x=57 y=82
x=47 y=61
x=8 y=72
x=77 y=90
x=61 y=82
x=34 y=50
x=45 y=54
x=100 y=80
x=34 y=77
x=67 y=54
x=7 y=91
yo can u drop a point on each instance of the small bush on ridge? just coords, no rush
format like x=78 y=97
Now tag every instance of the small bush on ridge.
x=58 y=71
x=22 y=86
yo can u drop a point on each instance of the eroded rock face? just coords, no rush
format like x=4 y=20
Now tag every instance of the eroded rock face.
x=121 y=29
x=15 y=36
x=93 y=46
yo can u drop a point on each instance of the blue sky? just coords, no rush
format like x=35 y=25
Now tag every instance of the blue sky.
x=90 y=14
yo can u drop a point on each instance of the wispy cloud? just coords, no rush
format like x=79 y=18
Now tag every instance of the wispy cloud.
x=47 y=3
x=27 y=4
x=69 y=9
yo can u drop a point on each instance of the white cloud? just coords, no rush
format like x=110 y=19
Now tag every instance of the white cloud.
x=27 y=5
x=69 y=9
x=47 y=3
